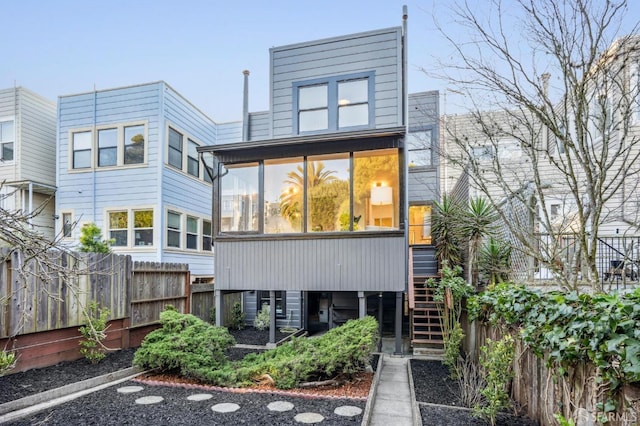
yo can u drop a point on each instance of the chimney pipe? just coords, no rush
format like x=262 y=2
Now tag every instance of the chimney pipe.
x=245 y=107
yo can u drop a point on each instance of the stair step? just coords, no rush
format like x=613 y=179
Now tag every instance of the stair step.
x=427 y=342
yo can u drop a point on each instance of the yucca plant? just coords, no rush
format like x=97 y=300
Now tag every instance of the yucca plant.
x=495 y=261
x=446 y=230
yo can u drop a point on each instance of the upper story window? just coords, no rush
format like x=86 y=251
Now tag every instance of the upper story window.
x=634 y=92
x=7 y=137
x=183 y=155
x=112 y=146
x=332 y=104
x=419 y=145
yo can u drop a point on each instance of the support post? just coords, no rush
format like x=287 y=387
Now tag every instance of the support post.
x=380 y=317
x=362 y=305
x=272 y=316
x=219 y=307
x=398 y=323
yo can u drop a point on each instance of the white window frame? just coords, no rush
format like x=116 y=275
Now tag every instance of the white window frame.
x=634 y=92
x=72 y=227
x=13 y=140
x=95 y=150
x=187 y=140
x=199 y=234
x=131 y=226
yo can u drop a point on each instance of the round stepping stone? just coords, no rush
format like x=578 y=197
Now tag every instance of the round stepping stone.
x=309 y=418
x=225 y=407
x=130 y=389
x=280 y=406
x=200 y=397
x=348 y=411
x=146 y=400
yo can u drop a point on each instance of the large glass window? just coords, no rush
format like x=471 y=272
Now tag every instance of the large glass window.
x=328 y=193
x=353 y=103
x=107 y=147
x=134 y=145
x=193 y=166
x=313 y=113
x=419 y=224
x=419 y=148
x=119 y=228
x=376 y=190
x=239 y=198
x=143 y=227
x=6 y=140
x=192 y=233
x=283 y=195
x=81 y=142
x=173 y=229
x=175 y=148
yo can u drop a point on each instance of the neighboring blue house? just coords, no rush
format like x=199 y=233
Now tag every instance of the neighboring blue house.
x=312 y=198
x=127 y=160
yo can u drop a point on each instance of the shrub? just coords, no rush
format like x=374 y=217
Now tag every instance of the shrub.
x=496 y=359
x=91 y=239
x=187 y=345
x=263 y=318
x=342 y=350
x=237 y=317
x=93 y=333
x=7 y=361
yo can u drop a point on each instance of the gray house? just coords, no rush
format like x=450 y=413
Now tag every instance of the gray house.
x=311 y=206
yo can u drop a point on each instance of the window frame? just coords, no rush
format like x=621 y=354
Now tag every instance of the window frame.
x=187 y=141
x=12 y=142
x=95 y=146
x=72 y=157
x=199 y=235
x=66 y=233
x=333 y=106
x=194 y=235
x=432 y=151
x=131 y=229
x=264 y=295
x=170 y=148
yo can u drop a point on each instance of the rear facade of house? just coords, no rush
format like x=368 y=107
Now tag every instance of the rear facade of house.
x=317 y=203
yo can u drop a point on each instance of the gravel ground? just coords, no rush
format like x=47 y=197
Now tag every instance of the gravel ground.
x=434 y=386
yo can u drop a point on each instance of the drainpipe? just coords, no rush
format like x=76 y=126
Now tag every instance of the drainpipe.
x=405 y=172
x=245 y=107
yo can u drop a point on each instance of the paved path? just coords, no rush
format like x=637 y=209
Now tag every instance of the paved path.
x=393 y=404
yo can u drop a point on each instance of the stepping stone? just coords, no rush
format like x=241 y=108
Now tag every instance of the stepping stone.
x=130 y=389
x=146 y=400
x=225 y=407
x=348 y=411
x=200 y=397
x=309 y=418
x=280 y=406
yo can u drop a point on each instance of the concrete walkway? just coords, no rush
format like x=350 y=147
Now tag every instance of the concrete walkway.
x=394 y=402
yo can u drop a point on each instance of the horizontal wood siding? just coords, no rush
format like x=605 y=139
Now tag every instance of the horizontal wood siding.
x=259 y=126
x=229 y=132
x=423 y=185
x=89 y=193
x=377 y=51
x=36 y=147
x=341 y=264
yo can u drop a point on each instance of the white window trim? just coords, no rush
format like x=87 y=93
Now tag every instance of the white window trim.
x=183 y=231
x=15 y=142
x=120 y=146
x=186 y=137
x=61 y=224
x=130 y=229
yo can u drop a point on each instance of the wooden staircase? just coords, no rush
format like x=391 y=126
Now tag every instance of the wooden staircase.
x=426 y=331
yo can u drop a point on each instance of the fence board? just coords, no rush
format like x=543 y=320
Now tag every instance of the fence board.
x=202 y=300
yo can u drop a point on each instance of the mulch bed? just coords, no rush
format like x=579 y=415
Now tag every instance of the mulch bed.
x=437 y=394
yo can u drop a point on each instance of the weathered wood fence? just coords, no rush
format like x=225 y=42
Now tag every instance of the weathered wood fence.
x=43 y=303
x=575 y=395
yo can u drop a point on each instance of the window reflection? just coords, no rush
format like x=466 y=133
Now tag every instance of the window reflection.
x=283 y=196
x=328 y=193
x=419 y=224
x=376 y=190
x=239 y=198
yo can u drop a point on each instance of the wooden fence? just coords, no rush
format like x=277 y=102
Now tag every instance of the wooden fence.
x=541 y=394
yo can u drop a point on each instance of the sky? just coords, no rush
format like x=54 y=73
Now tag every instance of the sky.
x=199 y=47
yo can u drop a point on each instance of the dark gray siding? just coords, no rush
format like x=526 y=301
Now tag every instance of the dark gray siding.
x=378 y=51
x=375 y=263
x=294 y=308
x=259 y=125
x=423 y=182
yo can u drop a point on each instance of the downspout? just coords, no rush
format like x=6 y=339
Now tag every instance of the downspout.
x=94 y=138
x=245 y=107
x=399 y=295
x=162 y=144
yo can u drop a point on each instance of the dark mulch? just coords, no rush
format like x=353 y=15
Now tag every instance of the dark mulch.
x=434 y=386
x=253 y=336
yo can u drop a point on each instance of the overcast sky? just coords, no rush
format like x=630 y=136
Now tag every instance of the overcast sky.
x=199 y=47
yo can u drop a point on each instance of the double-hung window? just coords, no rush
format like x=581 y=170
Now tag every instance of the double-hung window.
x=173 y=229
x=131 y=226
x=107 y=147
x=420 y=148
x=81 y=142
x=175 y=149
x=206 y=235
x=6 y=140
x=119 y=228
x=143 y=227
x=331 y=104
x=192 y=233
x=193 y=165
x=134 y=144
x=67 y=225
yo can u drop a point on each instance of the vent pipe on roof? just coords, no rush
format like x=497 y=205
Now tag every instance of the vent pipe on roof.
x=245 y=107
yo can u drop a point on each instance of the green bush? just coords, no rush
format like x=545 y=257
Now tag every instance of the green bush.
x=263 y=318
x=237 y=317
x=188 y=346
x=7 y=361
x=342 y=350
x=93 y=333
